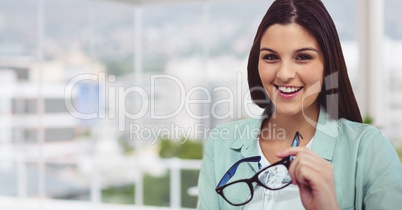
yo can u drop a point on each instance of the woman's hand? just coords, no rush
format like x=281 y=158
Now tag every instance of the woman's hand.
x=314 y=176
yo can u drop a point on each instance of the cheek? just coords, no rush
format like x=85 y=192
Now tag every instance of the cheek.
x=313 y=81
x=312 y=75
x=266 y=75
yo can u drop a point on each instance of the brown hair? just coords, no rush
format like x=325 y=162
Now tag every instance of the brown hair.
x=336 y=94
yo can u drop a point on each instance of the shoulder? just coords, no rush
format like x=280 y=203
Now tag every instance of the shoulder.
x=366 y=141
x=361 y=138
x=358 y=142
x=226 y=140
x=344 y=130
x=241 y=123
x=356 y=129
x=238 y=129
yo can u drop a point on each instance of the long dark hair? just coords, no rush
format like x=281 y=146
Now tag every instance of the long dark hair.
x=336 y=94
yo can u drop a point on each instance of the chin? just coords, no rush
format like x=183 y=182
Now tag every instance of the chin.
x=289 y=111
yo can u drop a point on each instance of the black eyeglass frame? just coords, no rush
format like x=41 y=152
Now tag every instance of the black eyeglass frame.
x=232 y=170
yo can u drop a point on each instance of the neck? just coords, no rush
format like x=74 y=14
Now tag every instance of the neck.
x=287 y=125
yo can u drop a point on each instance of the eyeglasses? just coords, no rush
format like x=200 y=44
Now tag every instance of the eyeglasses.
x=273 y=177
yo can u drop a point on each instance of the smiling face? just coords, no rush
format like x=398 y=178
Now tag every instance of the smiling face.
x=291 y=68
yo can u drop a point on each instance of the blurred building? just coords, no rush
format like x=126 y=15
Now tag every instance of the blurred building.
x=36 y=125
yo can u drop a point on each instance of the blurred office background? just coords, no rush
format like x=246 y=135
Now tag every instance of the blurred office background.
x=98 y=98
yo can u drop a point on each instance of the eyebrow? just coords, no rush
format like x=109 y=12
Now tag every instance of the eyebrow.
x=307 y=49
x=296 y=51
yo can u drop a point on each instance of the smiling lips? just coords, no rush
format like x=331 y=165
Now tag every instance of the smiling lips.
x=288 y=91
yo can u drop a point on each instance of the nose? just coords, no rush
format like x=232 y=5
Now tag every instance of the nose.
x=286 y=72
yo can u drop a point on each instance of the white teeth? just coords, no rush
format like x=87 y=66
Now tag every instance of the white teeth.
x=288 y=89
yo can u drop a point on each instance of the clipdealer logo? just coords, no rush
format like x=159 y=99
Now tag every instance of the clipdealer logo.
x=112 y=102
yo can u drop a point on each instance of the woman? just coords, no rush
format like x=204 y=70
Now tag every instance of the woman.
x=297 y=73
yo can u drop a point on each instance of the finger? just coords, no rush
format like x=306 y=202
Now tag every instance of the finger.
x=294 y=151
x=291 y=151
x=303 y=166
x=297 y=163
x=308 y=167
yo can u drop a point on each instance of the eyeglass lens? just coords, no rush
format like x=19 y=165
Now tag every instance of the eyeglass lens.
x=234 y=198
x=275 y=177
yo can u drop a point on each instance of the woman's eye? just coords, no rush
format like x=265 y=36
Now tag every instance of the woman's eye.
x=270 y=57
x=303 y=57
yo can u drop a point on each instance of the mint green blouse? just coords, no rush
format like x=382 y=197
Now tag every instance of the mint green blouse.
x=367 y=170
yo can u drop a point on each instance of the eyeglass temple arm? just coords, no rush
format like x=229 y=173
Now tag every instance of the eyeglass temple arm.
x=232 y=170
